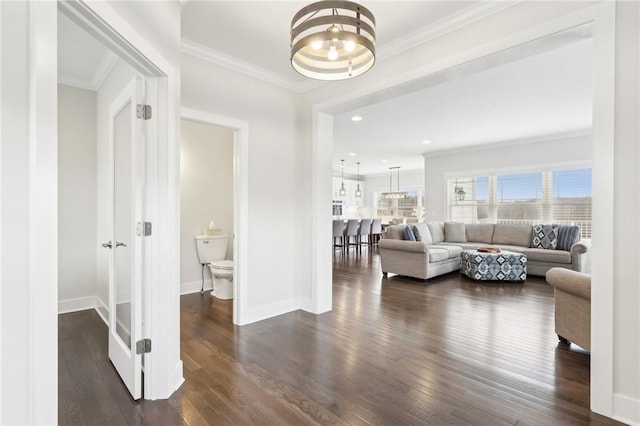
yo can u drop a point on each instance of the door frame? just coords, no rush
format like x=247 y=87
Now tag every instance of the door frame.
x=240 y=201
x=163 y=366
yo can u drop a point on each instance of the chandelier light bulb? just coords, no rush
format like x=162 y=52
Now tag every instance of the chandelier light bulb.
x=349 y=45
x=316 y=45
x=333 y=53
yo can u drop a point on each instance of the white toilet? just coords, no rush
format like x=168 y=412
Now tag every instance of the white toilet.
x=212 y=249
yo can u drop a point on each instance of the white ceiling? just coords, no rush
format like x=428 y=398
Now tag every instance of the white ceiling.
x=538 y=93
x=545 y=94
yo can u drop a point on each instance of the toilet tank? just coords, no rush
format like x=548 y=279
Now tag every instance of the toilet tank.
x=211 y=247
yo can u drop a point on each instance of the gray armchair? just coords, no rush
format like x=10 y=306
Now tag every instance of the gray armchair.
x=572 y=292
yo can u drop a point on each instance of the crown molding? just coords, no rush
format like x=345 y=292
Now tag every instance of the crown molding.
x=108 y=61
x=514 y=142
x=215 y=57
x=75 y=82
x=443 y=26
x=447 y=24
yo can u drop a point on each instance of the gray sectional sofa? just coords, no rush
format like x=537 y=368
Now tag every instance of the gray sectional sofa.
x=441 y=244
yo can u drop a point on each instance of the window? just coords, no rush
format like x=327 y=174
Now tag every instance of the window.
x=559 y=196
x=400 y=209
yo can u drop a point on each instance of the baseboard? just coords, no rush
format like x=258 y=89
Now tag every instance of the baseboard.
x=178 y=376
x=626 y=409
x=195 y=286
x=103 y=310
x=75 y=305
x=263 y=312
x=306 y=304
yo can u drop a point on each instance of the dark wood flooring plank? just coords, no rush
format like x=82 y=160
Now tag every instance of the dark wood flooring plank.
x=393 y=351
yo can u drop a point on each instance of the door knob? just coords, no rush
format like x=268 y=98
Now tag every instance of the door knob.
x=108 y=244
x=120 y=244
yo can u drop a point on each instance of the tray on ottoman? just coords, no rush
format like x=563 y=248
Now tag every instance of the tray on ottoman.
x=503 y=266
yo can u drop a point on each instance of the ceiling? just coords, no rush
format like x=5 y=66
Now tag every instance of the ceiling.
x=535 y=93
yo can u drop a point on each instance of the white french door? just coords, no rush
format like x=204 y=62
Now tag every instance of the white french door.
x=126 y=164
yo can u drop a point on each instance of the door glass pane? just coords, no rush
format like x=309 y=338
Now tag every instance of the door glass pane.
x=123 y=223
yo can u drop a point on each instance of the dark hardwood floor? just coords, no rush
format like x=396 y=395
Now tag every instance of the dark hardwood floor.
x=393 y=351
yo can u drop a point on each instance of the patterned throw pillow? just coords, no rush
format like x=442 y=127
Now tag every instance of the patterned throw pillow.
x=544 y=237
x=567 y=236
x=408 y=234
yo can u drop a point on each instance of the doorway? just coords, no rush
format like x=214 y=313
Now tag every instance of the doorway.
x=207 y=214
x=240 y=131
x=133 y=152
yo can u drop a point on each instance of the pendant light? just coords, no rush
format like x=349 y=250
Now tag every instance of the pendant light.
x=358 y=192
x=391 y=195
x=333 y=40
x=342 y=191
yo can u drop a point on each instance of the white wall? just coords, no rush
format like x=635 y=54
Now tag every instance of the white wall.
x=274 y=207
x=77 y=198
x=496 y=157
x=206 y=193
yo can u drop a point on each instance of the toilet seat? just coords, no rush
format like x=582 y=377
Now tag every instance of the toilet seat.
x=224 y=265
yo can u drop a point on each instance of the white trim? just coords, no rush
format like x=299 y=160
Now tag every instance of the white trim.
x=77 y=83
x=626 y=409
x=108 y=61
x=263 y=312
x=215 y=57
x=74 y=305
x=240 y=205
x=43 y=214
x=602 y=15
x=509 y=143
x=455 y=21
x=99 y=304
x=542 y=167
x=602 y=258
x=195 y=286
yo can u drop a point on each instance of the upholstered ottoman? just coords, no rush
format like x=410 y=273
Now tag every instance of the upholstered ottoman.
x=503 y=266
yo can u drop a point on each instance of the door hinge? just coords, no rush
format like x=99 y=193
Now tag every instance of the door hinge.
x=143 y=112
x=143 y=229
x=143 y=346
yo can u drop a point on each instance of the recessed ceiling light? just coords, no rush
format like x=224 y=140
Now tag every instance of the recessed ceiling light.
x=385 y=161
x=356 y=118
x=352 y=154
x=425 y=142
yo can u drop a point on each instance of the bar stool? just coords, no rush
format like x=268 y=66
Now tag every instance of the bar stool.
x=351 y=232
x=364 y=230
x=376 y=231
x=338 y=232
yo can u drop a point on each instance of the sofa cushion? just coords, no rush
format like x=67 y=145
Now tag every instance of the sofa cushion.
x=438 y=254
x=436 y=229
x=454 y=232
x=454 y=251
x=479 y=232
x=544 y=237
x=568 y=235
x=421 y=231
x=544 y=255
x=517 y=235
x=395 y=232
x=408 y=234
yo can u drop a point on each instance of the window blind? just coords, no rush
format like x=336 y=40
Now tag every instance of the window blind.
x=558 y=196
